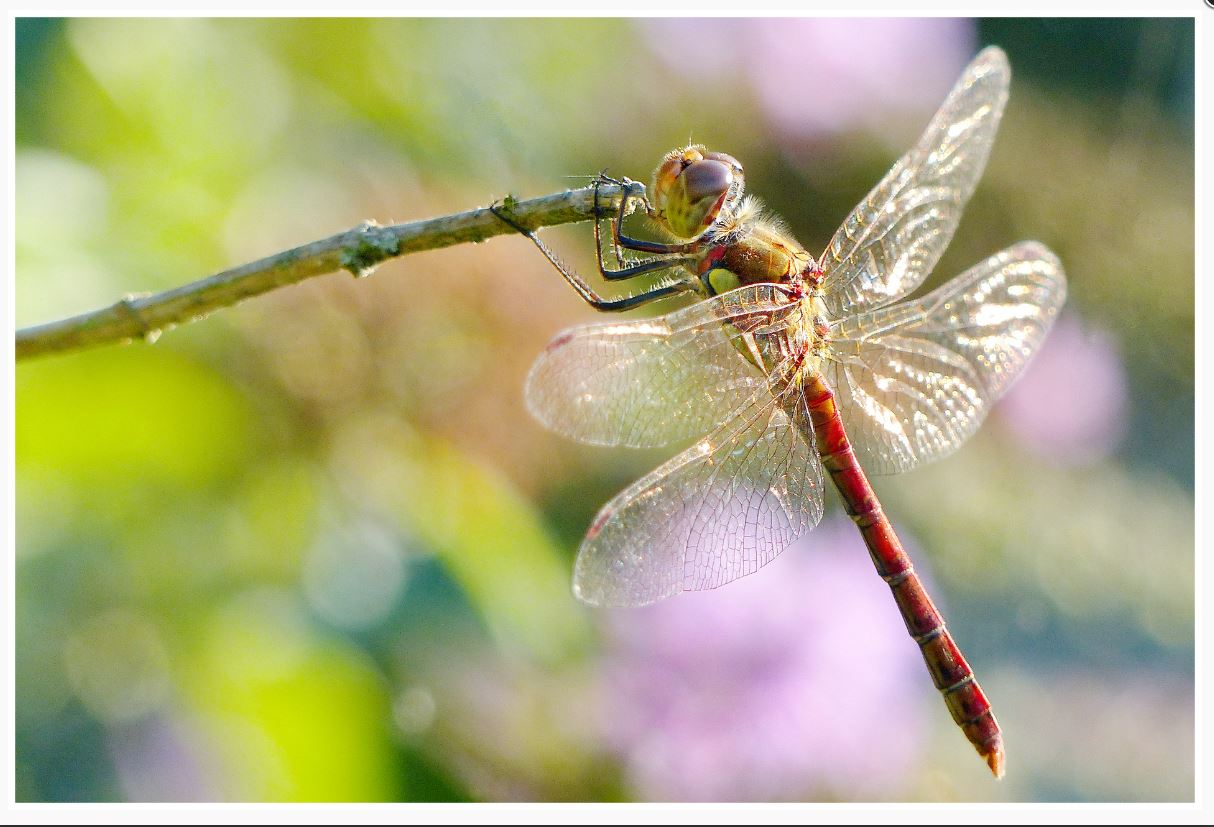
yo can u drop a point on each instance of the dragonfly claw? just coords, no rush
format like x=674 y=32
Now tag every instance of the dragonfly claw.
x=502 y=208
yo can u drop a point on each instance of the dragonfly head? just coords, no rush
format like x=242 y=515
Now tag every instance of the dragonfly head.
x=691 y=187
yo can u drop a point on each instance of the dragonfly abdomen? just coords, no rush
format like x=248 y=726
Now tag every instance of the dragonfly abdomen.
x=950 y=672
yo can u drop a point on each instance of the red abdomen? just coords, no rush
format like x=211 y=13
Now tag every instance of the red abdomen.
x=966 y=701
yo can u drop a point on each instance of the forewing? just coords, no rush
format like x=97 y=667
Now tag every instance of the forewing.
x=648 y=383
x=894 y=237
x=718 y=511
x=914 y=381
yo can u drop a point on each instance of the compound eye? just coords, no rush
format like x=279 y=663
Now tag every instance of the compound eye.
x=690 y=188
x=707 y=179
x=731 y=161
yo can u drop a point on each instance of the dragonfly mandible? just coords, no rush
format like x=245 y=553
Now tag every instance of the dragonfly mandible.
x=795 y=368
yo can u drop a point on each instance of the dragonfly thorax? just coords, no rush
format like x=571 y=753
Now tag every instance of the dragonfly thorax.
x=814 y=331
x=754 y=249
x=795 y=348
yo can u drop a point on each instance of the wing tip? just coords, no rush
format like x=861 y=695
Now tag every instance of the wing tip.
x=603 y=580
x=585 y=596
x=992 y=54
x=588 y=584
x=990 y=67
x=533 y=394
x=600 y=598
x=543 y=376
x=1031 y=250
x=991 y=59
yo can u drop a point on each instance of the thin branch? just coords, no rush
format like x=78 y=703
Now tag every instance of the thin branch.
x=357 y=250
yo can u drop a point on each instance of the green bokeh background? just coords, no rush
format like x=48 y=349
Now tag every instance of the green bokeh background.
x=260 y=559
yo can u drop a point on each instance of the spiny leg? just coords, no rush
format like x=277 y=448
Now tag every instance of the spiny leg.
x=630 y=270
x=583 y=289
x=633 y=189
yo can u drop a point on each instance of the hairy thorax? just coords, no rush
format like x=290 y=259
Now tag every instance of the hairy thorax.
x=752 y=249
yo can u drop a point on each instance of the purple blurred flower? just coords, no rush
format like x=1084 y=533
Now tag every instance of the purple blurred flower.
x=157 y=760
x=824 y=76
x=799 y=677
x=1070 y=405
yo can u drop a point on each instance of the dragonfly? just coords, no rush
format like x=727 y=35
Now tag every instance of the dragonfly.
x=791 y=369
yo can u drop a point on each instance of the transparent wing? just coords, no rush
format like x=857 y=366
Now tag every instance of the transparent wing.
x=894 y=237
x=718 y=511
x=656 y=381
x=915 y=380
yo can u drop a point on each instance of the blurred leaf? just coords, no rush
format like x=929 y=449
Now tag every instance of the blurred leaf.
x=123 y=458
x=490 y=539
x=295 y=718
x=205 y=91
x=495 y=546
x=122 y=418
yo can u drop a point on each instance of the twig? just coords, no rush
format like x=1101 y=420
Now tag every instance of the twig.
x=357 y=250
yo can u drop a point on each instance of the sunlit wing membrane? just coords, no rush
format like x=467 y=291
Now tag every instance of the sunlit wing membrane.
x=652 y=382
x=718 y=511
x=894 y=237
x=914 y=381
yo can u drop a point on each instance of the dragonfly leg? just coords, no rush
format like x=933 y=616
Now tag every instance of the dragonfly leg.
x=627 y=271
x=633 y=189
x=583 y=289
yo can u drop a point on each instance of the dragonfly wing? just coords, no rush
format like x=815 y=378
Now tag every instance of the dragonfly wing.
x=913 y=381
x=894 y=237
x=651 y=382
x=718 y=511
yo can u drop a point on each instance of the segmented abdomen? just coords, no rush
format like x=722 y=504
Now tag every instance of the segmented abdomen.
x=951 y=674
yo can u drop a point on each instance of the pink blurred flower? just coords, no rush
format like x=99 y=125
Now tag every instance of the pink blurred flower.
x=1070 y=405
x=799 y=677
x=816 y=77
